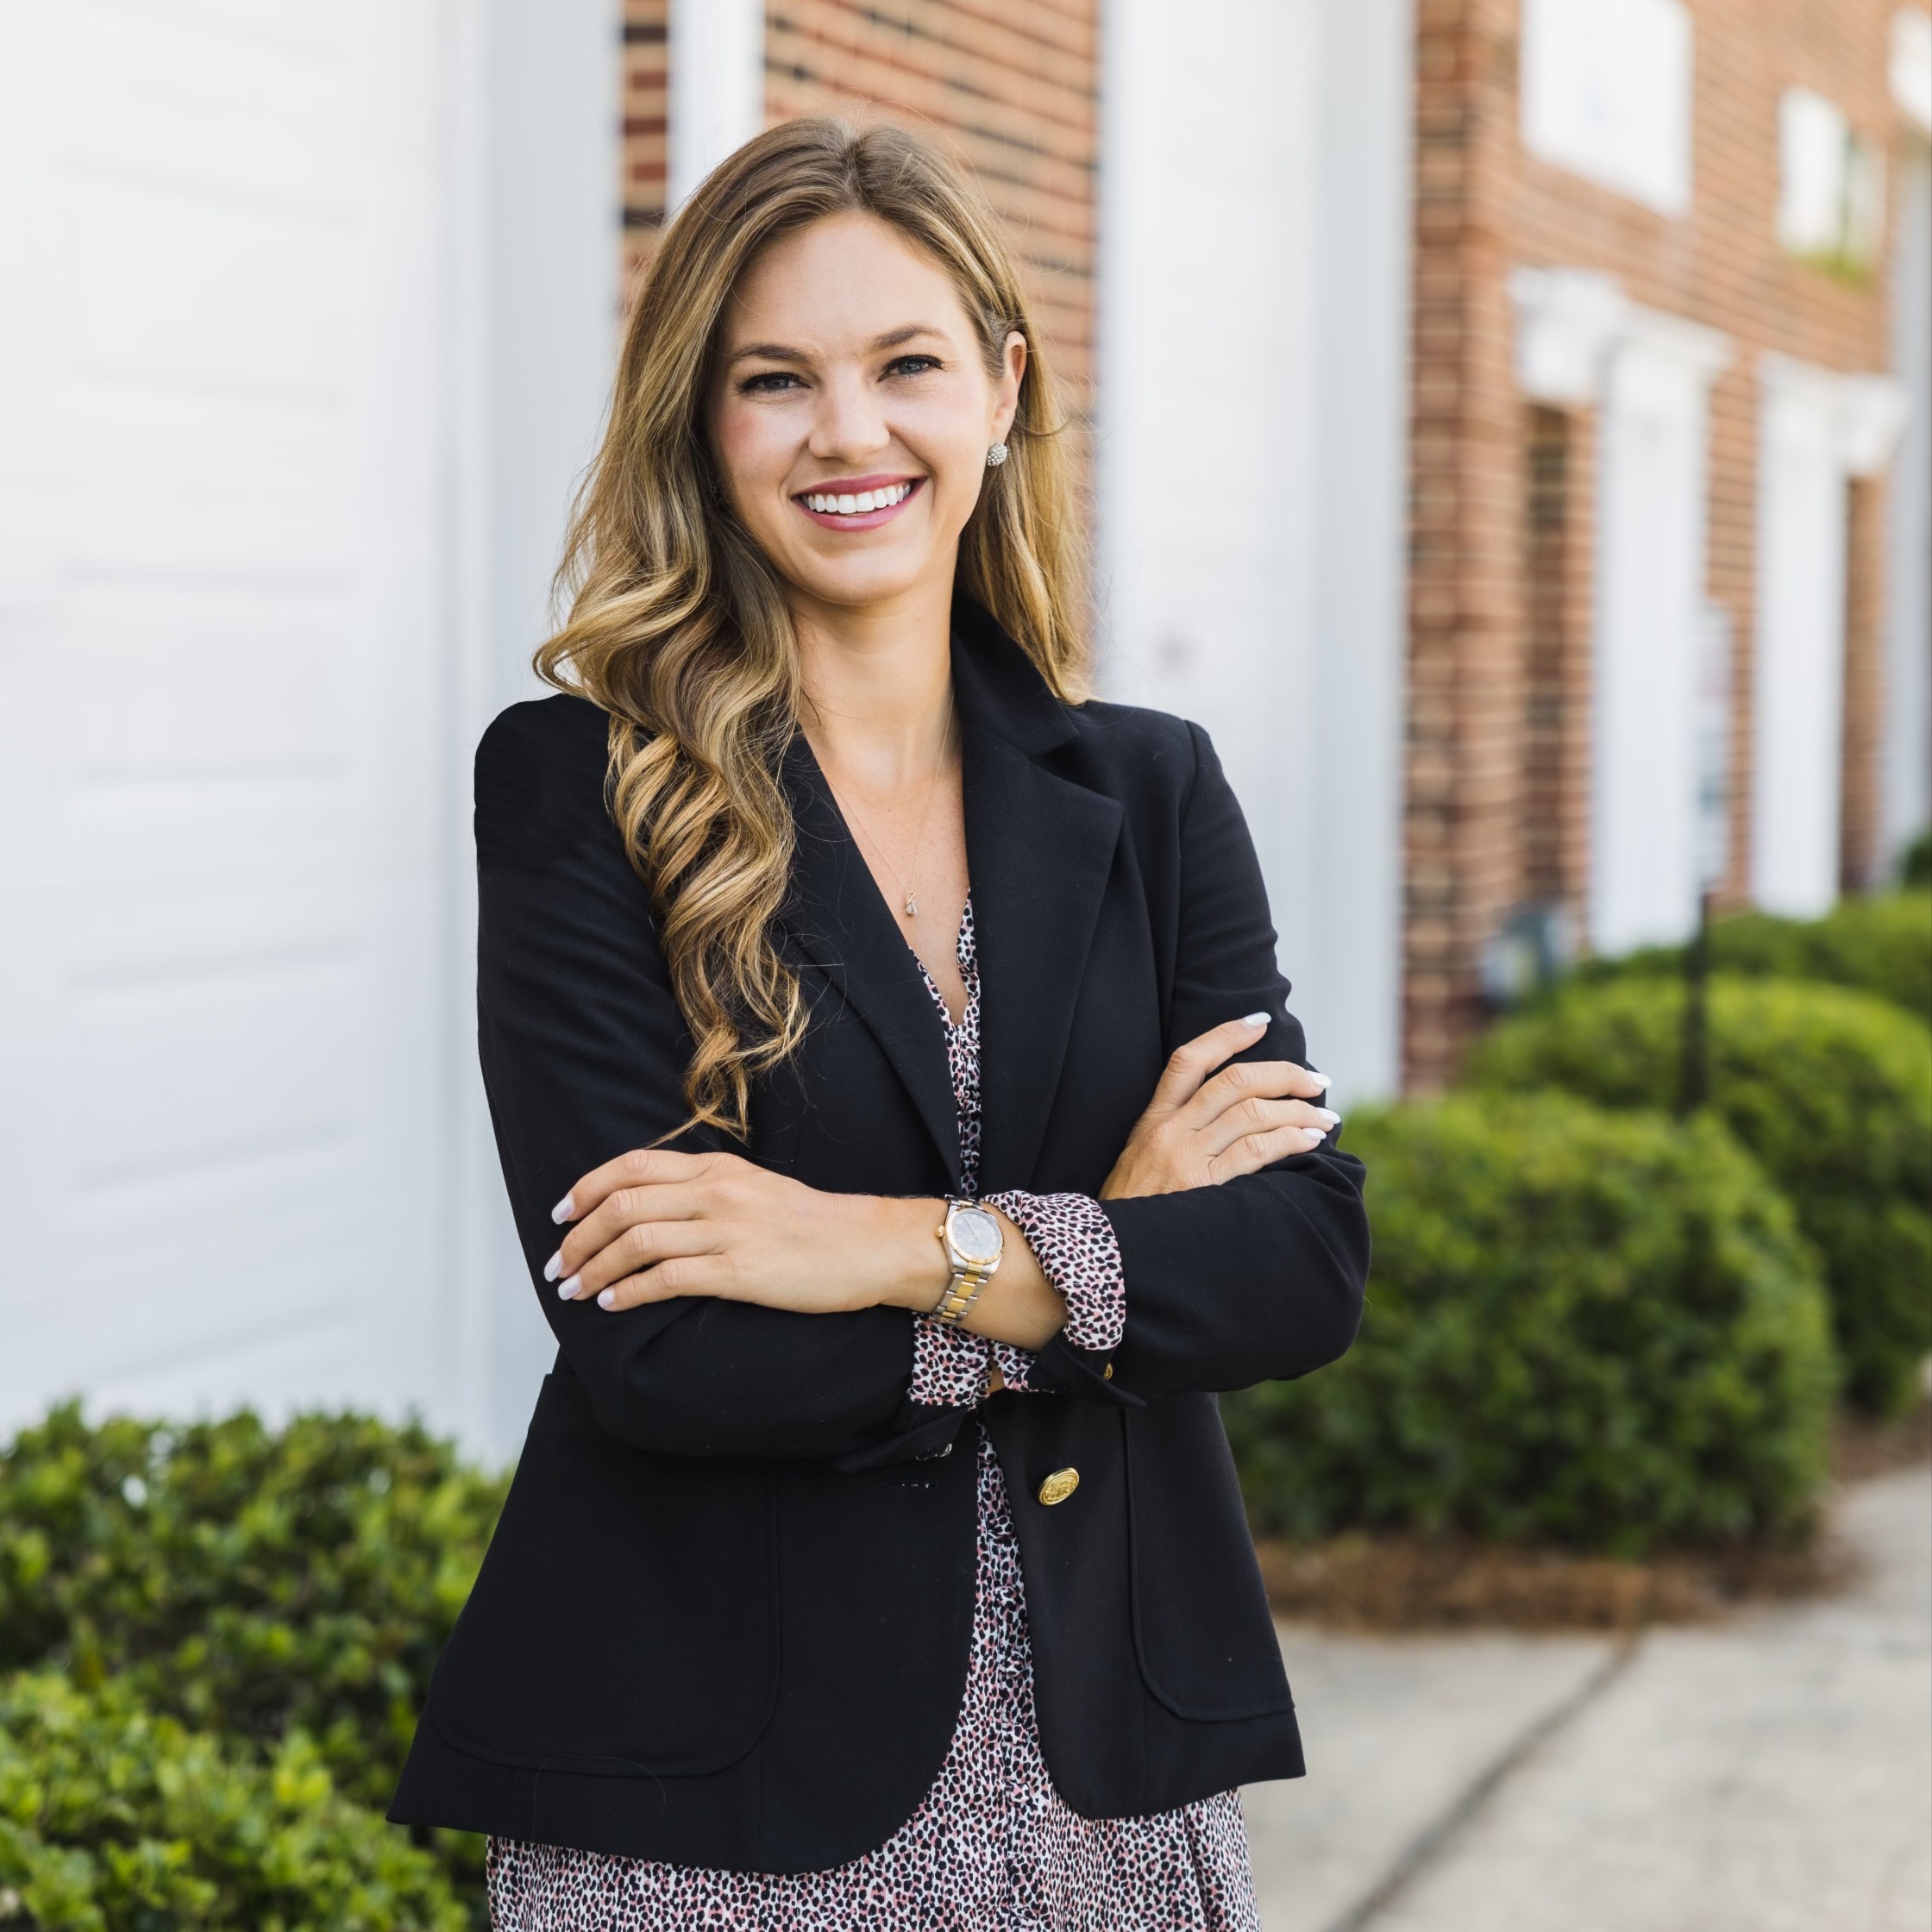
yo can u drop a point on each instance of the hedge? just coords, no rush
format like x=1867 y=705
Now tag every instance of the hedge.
x=1589 y=1329
x=249 y=1580
x=113 y=1819
x=1831 y=1089
x=1881 y=945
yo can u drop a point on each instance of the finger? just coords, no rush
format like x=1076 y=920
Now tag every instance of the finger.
x=1267 y=1079
x=664 y=1283
x=633 y=1170
x=1254 y=1152
x=1189 y=1065
x=1257 y=1115
x=646 y=1245
x=665 y=1200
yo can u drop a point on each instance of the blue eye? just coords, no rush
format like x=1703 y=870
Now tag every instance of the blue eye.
x=770 y=382
x=912 y=365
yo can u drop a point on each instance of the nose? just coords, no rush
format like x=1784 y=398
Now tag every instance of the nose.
x=849 y=423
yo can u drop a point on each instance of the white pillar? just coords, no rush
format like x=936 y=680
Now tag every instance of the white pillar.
x=1816 y=428
x=538 y=260
x=1651 y=630
x=1252 y=477
x=718 y=84
x=1907 y=806
x=1581 y=342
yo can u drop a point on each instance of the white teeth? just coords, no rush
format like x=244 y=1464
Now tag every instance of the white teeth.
x=858 y=504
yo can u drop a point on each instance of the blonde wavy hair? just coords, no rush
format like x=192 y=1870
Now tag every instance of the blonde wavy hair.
x=679 y=628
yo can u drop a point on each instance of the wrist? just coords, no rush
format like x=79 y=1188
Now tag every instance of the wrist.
x=912 y=1270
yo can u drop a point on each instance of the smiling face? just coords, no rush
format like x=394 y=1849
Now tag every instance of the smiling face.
x=851 y=413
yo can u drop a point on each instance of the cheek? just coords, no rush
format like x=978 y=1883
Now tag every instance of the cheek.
x=750 y=450
x=953 y=443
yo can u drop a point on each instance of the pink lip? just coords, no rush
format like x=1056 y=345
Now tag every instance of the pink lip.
x=850 y=487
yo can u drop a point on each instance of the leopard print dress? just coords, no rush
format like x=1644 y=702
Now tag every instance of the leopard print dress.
x=992 y=1847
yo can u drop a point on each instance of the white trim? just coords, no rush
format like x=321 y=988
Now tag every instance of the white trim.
x=1863 y=415
x=1817 y=428
x=1911 y=65
x=717 y=85
x=1581 y=343
x=1566 y=321
x=1907 y=686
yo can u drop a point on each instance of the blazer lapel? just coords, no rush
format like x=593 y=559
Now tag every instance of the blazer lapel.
x=837 y=915
x=1040 y=850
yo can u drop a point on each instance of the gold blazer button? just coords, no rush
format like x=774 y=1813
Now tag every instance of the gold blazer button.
x=1059 y=1486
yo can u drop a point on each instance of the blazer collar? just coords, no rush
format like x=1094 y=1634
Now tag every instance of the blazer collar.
x=1039 y=849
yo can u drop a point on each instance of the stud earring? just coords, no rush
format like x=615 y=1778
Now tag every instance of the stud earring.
x=996 y=455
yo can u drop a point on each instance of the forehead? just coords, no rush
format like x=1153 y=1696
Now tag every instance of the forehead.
x=840 y=283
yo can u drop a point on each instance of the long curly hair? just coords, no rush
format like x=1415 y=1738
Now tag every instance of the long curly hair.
x=678 y=626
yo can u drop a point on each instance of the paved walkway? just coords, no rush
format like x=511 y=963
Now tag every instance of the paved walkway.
x=1772 y=1773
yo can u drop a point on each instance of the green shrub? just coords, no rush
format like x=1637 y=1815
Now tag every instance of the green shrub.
x=1582 y=1328
x=249 y=1580
x=1915 y=867
x=1831 y=1089
x=1882 y=944
x=113 y=1819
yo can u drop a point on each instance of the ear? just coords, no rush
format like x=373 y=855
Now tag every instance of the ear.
x=1005 y=391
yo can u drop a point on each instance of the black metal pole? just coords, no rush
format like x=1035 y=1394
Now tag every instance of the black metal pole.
x=1694 y=1080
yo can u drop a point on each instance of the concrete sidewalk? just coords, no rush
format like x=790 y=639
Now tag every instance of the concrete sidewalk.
x=1774 y=1771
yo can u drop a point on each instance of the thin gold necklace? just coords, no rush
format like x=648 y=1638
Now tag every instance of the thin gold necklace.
x=910 y=903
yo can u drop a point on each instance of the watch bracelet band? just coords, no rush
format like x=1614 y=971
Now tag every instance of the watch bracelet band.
x=967 y=1281
x=965 y=1287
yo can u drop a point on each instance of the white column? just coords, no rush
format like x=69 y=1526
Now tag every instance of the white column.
x=1907 y=805
x=537 y=263
x=1816 y=428
x=1581 y=342
x=718 y=84
x=1251 y=477
x=1651 y=517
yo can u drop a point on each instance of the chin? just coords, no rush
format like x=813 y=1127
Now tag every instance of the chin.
x=853 y=584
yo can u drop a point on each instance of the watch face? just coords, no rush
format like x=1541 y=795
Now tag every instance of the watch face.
x=975 y=1234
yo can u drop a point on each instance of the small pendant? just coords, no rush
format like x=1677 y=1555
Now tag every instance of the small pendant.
x=911 y=907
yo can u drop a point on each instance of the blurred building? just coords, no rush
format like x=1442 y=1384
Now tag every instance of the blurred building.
x=1667 y=633
x=1507 y=426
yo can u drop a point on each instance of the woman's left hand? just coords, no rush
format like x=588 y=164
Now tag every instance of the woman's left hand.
x=653 y=1225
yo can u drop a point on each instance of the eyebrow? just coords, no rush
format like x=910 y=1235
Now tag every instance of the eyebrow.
x=777 y=352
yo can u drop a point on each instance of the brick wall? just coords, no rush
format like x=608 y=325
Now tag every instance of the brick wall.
x=1011 y=86
x=1498 y=728
x=645 y=152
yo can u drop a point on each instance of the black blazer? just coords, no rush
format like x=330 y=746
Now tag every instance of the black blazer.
x=724 y=1618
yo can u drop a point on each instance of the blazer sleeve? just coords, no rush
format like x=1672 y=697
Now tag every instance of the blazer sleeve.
x=584 y=1051
x=1260 y=1278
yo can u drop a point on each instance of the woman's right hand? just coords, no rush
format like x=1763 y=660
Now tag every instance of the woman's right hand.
x=1198 y=1131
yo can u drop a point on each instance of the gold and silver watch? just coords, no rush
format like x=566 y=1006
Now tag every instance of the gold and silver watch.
x=974 y=1242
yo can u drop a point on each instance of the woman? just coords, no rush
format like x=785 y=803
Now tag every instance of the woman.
x=903 y=1038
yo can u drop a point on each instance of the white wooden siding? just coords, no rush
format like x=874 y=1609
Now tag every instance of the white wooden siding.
x=286 y=442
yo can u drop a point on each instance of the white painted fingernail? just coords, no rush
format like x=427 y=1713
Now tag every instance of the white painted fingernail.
x=608 y=1299
x=562 y=1211
x=1327 y=1118
x=569 y=1290
x=1316 y=1135
x=1255 y=1020
x=1320 y=1080
x=553 y=1266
